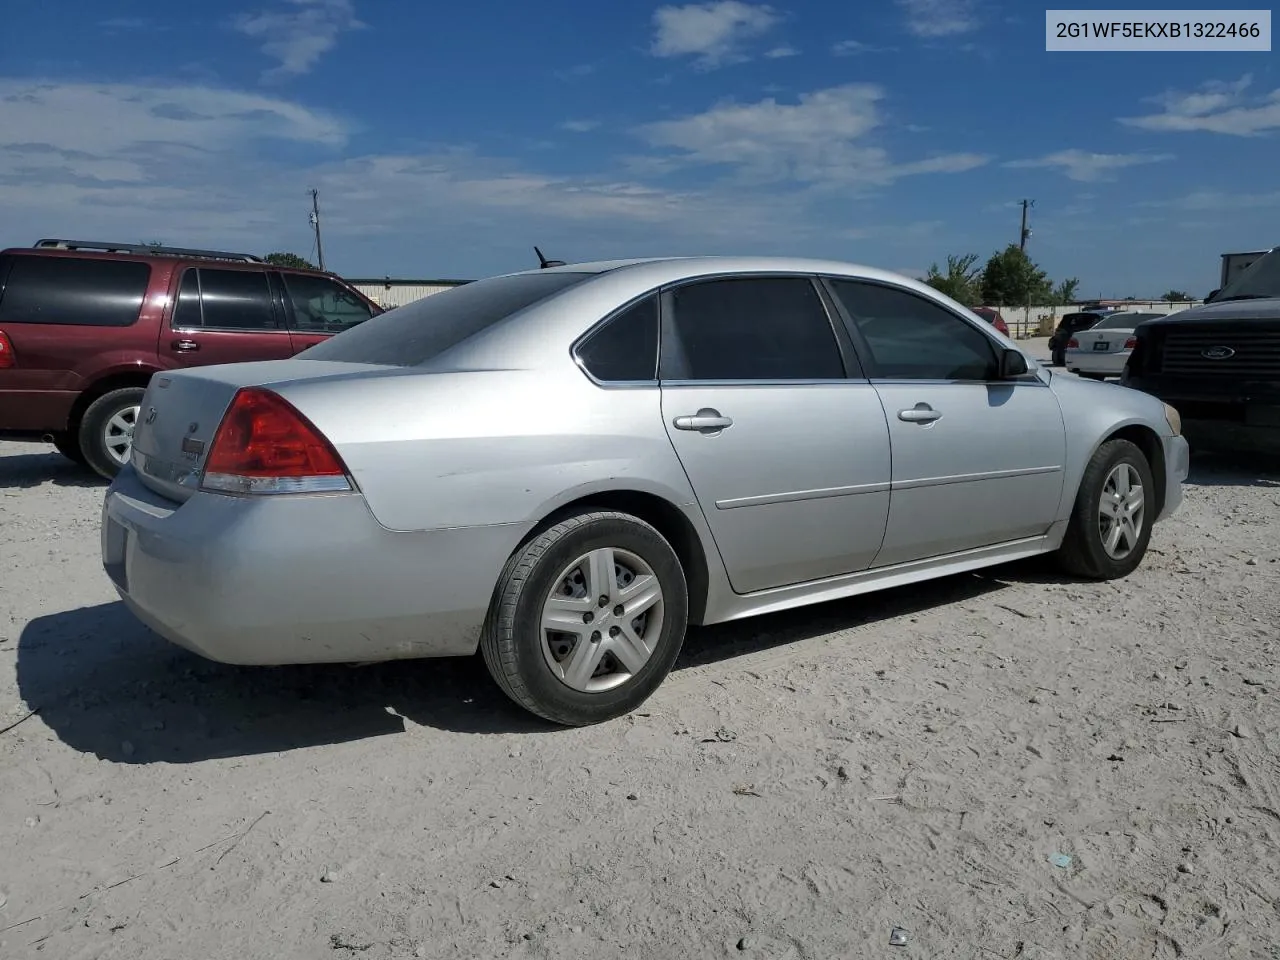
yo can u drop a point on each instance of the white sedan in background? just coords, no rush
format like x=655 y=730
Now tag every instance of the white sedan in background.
x=1103 y=349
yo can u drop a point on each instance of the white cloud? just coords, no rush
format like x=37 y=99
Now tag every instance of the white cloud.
x=1215 y=107
x=852 y=48
x=1216 y=200
x=1088 y=167
x=580 y=126
x=299 y=33
x=817 y=140
x=714 y=33
x=777 y=53
x=938 y=18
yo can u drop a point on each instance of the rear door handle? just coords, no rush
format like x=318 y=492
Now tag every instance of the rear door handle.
x=705 y=420
x=920 y=413
x=185 y=346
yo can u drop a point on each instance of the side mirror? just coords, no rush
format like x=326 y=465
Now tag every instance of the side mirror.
x=1012 y=364
x=1212 y=294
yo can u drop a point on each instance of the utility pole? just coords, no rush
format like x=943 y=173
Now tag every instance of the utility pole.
x=1024 y=232
x=315 y=224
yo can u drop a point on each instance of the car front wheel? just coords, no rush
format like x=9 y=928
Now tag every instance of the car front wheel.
x=587 y=618
x=1110 y=525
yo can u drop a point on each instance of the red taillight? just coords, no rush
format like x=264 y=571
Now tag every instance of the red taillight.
x=264 y=445
x=1002 y=326
x=1073 y=344
x=6 y=352
x=1131 y=343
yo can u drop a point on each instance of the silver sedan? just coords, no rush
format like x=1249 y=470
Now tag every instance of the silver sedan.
x=566 y=467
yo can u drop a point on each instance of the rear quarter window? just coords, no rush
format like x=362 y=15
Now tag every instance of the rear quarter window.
x=422 y=330
x=74 y=291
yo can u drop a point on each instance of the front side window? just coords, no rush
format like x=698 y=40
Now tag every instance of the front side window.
x=625 y=349
x=911 y=338
x=74 y=291
x=751 y=328
x=224 y=300
x=321 y=305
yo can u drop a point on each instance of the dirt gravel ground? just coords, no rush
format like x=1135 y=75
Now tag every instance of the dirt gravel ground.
x=1002 y=765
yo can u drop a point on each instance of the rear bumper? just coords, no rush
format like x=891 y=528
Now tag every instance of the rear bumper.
x=33 y=413
x=305 y=579
x=1085 y=361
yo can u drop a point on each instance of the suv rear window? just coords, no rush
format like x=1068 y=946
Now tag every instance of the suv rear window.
x=74 y=291
x=422 y=330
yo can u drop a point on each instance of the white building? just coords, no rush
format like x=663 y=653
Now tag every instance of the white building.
x=388 y=293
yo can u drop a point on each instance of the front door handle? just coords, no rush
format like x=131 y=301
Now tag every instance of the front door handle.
x=185 y=346
x=705 y=420
x=920 y=413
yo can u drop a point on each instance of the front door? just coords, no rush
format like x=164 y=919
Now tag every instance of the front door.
x=787 y=453
x=223 y=315
x=976 y=461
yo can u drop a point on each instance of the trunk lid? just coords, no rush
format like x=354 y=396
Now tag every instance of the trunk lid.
x=181 y=411
x=1112 y=340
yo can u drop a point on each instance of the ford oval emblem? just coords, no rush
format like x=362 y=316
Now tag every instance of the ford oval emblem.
x=1217 y=353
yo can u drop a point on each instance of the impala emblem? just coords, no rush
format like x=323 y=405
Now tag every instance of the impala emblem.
x=192 y=427
x=151 y=415
x=1217 y=353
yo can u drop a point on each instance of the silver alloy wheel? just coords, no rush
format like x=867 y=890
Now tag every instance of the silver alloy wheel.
x=602 y=620
x=117 y=435
x=1121 y=511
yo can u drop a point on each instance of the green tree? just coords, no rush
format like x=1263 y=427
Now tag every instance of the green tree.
x=290 y=260
x=960 y=282
x=1177 y=296
x=1011 y=278
x=1065 y=291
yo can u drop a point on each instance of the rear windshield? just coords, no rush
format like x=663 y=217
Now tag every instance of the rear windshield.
x=1124 y=321
x=77 y=291
x=420 y=331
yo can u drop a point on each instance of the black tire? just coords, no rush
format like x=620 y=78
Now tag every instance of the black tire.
x=1083 y=553
x=68 y=444
x=511 y=642
x=94 y=422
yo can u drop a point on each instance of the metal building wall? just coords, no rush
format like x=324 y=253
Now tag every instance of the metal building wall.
x=396 y=293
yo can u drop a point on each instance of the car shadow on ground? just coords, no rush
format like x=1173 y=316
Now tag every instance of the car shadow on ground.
x=26 y=470
x=108 y=686
x=1234 y=468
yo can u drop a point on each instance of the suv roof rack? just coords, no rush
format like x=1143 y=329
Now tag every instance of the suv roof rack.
x=143 y=249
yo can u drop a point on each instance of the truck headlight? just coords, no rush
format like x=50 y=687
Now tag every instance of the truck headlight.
x=1174 y=420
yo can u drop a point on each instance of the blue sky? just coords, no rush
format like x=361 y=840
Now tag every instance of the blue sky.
x=446 y=140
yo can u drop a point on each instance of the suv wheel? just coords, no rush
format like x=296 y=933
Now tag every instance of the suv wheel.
x=68 y=444
x=106 y=430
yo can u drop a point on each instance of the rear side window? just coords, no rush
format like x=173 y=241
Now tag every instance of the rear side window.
x=74 y=291
x=751 y=328
x=422 y=330
x=234 y=300
x=626 y=348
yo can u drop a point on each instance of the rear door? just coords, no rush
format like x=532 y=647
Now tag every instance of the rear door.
x=785 y=446
x=316 y=308
x=976 y=460
x=223 y=315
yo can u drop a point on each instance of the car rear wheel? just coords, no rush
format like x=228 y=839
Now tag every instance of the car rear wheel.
x=587 y=618
x=1110 y=526
x=106 y=430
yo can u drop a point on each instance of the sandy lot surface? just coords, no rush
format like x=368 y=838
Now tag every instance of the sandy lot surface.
x=1001 y=765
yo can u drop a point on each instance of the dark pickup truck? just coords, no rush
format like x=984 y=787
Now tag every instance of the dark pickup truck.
x=1219 y=364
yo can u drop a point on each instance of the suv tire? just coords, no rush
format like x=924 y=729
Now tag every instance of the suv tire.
x=68 y=444
x=107 y=428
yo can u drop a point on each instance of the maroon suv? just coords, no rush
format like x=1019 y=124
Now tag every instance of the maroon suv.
x=83 y=326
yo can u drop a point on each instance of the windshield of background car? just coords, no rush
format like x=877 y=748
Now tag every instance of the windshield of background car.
x=422 y=330
x=1260 y=280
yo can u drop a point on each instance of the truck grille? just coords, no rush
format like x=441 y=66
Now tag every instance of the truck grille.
x=1256 y=354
